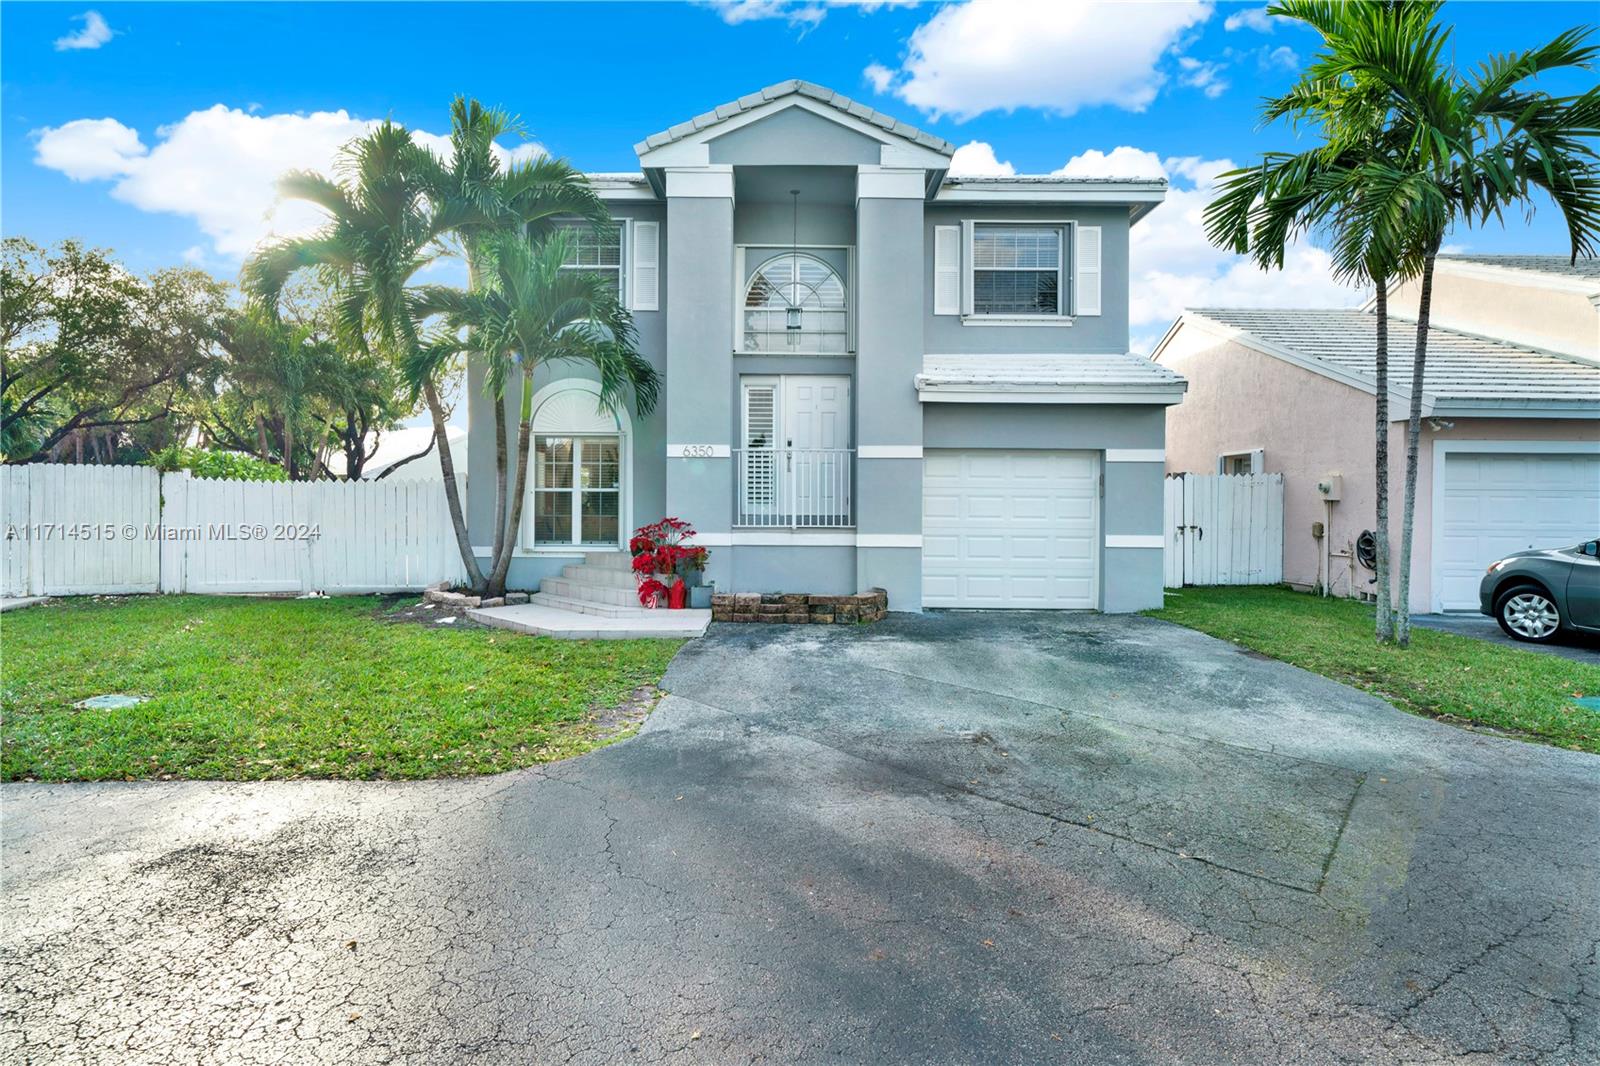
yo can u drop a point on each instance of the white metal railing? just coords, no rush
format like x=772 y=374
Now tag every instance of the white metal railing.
x=794 y=487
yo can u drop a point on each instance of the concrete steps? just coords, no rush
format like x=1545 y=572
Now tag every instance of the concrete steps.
x=603 y=610
x=597 y=599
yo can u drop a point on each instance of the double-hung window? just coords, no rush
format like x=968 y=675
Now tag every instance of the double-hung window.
x=577 y=490
x=1018 y=269
x=596 y=251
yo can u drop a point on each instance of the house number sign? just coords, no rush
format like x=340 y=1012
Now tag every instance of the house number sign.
x=699 y=451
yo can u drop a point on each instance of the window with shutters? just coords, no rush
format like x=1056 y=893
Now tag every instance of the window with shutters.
x=1019 y=270
x=796 y=303
x=597 y=251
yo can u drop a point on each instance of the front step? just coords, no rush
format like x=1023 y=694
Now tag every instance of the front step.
x=609 y=561
x=584 y=574
x=601 y=610
x=580 y=590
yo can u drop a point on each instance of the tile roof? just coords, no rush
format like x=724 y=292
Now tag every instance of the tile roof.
x=795 y=87
x=1461 y=368
x=1561 y=265
x=1087 y=372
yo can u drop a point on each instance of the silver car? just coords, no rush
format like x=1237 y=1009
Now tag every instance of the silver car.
x=1536 y=594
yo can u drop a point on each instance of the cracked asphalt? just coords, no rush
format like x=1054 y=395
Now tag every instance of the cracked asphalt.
x=944 y=838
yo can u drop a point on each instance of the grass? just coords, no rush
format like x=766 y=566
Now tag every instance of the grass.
x=252 y=689
x=1442 y=675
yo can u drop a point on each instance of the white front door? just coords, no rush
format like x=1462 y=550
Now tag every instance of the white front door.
x=1010 y=529
x=1496 y=503
x=795 y=468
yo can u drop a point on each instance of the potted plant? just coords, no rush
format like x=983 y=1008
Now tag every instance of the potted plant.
x=666 y=563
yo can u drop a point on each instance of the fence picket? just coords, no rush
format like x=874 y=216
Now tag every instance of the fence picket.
x=1223 y=529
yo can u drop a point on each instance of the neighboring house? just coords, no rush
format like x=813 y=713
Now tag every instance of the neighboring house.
x=396 y=446
x=1510 y=449
x=876 y=374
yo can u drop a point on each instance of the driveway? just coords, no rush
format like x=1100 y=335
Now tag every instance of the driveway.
x=949 y=838
x=1579 y=647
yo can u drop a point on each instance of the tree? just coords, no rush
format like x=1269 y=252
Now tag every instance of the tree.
x=93 y=355
x=528 y=311
x=482 y=201
x=382 y=229
x=287 y=389
x=1262 y=210
x=1424 y=148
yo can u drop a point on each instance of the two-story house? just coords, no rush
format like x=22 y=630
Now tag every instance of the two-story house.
x=876 y=374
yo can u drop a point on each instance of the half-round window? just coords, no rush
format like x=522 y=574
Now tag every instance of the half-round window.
x=795 y=303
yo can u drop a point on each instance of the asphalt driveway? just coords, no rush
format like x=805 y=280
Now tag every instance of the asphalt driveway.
x=1579 y=647
x=950 y=838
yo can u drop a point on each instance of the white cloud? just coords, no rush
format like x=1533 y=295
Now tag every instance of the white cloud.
x=219 y=167
x=1203 y=75
x=95 y=33
x=1174 y=266
x=977 y=159
x=1120 y=162
x=1251 y=18
x=1055 y=55
x=1281 y=56
x=734 y=12
x=87 y=149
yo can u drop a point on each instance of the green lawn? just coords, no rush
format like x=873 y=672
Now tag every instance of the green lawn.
x=1441 y=675
x=246 y=689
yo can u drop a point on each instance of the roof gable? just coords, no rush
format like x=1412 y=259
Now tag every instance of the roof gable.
x=686 y=144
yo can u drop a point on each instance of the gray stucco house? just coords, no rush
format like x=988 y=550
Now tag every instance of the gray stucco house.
x=876 y=374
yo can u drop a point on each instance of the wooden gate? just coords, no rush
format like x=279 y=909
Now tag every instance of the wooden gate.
x=1224 y=529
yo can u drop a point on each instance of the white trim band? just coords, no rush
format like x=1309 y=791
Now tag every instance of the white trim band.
x=699 y=451
x=1135 y=540
x=1136 y=455
x=889 y=183
x=889 y=451
x=889 y=540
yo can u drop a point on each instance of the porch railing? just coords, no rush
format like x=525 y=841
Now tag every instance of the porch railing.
x=794 y=488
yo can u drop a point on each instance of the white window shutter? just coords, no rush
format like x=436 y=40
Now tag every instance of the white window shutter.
x=1086 y=265
x=947 y=270
x=645 y=283
x=966 y=266
x=758 y=467
x=1258 y=461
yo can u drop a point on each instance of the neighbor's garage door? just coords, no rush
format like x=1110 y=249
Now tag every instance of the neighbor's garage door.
x=1010 y=529
x=1496 y=504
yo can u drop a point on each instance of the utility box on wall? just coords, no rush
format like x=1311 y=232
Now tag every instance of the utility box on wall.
x=1331 y=487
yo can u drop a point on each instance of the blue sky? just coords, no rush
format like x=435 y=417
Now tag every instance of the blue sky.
x=154 y=129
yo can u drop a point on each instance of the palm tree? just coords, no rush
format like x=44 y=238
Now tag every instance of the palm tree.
x=526 y=311
x=382 y=229
x=1442 y=149
x=481 y=200
x=1460 y=149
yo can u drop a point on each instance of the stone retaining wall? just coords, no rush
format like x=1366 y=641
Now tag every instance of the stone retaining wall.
x=799 y=608
x=442 y=595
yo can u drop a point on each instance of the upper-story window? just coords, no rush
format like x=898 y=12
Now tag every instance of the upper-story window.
x=1018 y=269
x=595 y=251
x=796 y=303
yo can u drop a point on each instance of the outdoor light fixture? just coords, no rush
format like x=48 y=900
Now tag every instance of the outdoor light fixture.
x=793 y=320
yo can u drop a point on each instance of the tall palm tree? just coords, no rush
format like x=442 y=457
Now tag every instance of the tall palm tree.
x=527 y=311
x=1461 y=149
x=483 y=199
x=1410 y=149
x=382 y=229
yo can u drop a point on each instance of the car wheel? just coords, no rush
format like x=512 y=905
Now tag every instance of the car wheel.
x=1528 y=613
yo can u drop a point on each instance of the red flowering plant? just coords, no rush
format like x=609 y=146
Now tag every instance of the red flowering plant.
x=659 y=551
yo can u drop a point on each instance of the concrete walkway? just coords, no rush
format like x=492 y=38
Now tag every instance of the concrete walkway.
x=541 y=620
x=955 y=838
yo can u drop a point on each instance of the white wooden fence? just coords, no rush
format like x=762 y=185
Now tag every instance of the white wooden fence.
x=1224 y=529
x=94 y=529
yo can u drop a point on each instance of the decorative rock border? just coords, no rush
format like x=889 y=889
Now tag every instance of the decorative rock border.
x=799 y=608
x=442 y=595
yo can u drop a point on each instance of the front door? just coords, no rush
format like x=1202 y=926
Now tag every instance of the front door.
x=795 y=465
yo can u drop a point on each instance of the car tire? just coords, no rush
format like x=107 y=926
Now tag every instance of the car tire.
x=1528 y=613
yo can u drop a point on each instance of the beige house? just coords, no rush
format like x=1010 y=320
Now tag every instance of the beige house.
x=1510 y=449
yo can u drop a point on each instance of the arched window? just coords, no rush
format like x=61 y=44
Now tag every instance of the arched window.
x=579 y=481
x=795 y=303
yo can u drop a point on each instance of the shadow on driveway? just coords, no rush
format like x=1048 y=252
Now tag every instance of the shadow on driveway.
x=951 y=838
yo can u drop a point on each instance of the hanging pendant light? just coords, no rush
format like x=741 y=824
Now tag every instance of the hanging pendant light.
x=794 y=269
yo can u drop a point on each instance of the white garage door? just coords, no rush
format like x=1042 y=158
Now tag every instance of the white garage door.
x=1010 y=529
x=1494 y=504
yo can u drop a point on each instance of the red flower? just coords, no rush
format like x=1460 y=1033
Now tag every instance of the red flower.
x=649 y=590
